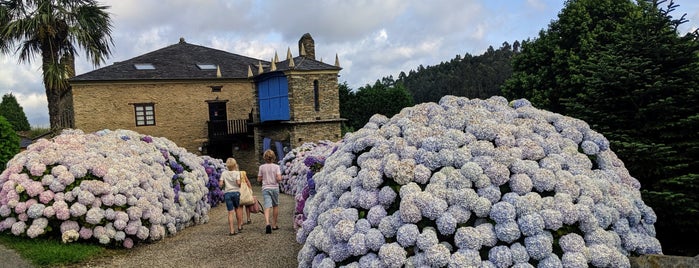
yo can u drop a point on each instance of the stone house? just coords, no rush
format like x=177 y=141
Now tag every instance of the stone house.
x=214 y=102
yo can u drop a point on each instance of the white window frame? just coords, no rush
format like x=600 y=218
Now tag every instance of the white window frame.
x=144 y=114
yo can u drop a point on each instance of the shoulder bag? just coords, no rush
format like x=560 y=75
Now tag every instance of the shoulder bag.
x=246 y=197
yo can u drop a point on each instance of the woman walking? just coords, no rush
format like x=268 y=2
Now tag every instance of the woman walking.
x=270 y=175
x=230 y=182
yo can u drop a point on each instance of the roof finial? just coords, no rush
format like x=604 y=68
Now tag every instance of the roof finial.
x=288 y=53
x=274 y=65
x=276 y=58
x=182 y=40
x=291 y=63
x=259 y=67
x=249 y=71
x=321 y=59
x=337 y=61
x=218 y=71
x=302 y=50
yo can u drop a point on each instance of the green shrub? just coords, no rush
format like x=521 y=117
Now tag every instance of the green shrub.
x=9 y=142
x=13 y=112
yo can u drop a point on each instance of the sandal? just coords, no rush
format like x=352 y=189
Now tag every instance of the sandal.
x=231 y=234
x=268 y=229
x=248 y=222
x=275 y=228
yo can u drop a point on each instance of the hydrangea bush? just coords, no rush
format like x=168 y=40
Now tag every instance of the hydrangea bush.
x=470 y=182
x=295 y=171
x=213 y=167
x=298 y=168
x=115 y=187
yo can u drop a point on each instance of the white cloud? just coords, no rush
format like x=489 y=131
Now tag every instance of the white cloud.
x=373 y=39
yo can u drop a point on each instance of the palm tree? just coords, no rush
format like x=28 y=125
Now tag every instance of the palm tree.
x=55 y=30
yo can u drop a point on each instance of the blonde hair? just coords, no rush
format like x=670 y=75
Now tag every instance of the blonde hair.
x=231 y=164
x=269 y=156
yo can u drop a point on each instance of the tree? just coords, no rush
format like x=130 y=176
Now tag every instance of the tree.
x=623 y=68
x=9 y=142
x=54 y=30
x=468 y=76
x=385 y=97
x=13 y=112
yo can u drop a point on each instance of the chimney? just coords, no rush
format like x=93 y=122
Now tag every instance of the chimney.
x=307 y=46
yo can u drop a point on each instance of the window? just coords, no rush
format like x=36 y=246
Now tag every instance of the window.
x=206 y=66
x=145 y=114
x=216 y=88
x=144 y=66
x=316 y=96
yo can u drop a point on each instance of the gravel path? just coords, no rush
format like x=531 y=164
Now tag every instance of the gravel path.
x=209 y=245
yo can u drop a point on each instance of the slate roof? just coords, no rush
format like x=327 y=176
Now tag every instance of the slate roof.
x=179 y=62
x=302 y=63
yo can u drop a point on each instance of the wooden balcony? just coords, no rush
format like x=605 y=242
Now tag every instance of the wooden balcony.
x=227 y=129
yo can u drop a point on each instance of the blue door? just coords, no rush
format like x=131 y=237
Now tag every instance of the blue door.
x=274 y=99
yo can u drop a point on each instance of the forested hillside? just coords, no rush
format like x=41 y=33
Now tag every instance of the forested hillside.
x=469 y=76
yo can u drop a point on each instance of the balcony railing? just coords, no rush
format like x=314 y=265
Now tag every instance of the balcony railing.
x=220 y=129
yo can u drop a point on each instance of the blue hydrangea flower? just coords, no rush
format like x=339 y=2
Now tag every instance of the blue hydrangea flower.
x=468 y=238
x=375 y=215
x=539 y=246
x=599 y=255
x=392 y=255
x=531 y=224
x=502 y=212
x=426 y=239
x=520 y=183
x=501 y=256
x=465 y=258
x=361 y=226
x=552 y=261
x=572 y=243
x=507 y=231
x=344 y=229
x=437 y=256
x=446 y=224
x=387 y=196
x=574 y=260
x=339 y=252
x=370 y=260
x=410 y=212
x=553 y=219
x=356 y=245
x=407 y=235
x=519 y=253
x=374 y=239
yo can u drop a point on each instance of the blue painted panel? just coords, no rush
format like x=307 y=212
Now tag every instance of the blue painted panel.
x=274 y=99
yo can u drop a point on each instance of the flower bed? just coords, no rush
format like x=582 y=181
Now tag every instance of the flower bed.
x=471 y=182
x=116 y=187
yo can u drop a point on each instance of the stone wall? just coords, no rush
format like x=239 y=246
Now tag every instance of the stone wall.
x=302 y=99
x=293 y=135
x=314 y=132
x=181 y=110
x=663 y=261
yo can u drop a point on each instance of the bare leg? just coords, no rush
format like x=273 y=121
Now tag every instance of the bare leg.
x=267 y=215
x=247 y=212
x=239 y=217
x=230 y=221
x=275 y=215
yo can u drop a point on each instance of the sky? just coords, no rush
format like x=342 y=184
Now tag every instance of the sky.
x=373 y=39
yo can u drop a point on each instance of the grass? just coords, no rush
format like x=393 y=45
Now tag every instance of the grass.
x=51 y=252
x=37 y=131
